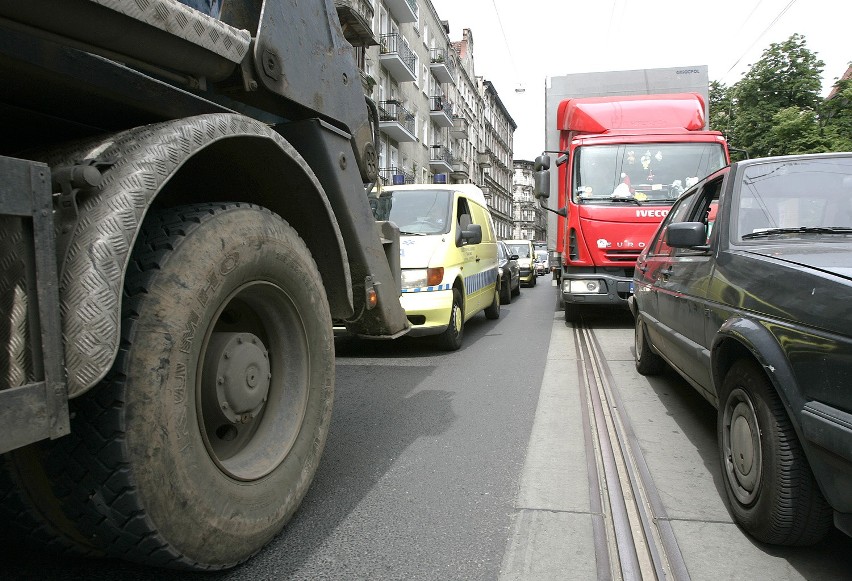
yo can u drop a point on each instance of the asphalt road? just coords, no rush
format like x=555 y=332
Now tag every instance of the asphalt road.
x=472 y=465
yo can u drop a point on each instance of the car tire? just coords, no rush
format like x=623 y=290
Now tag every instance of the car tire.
x=493 y=310
x=506 y=290
x=451 y=338
x=771 y=490
x=647 y=362
x=533 y=280
x=572 y=312
x=517 y=290
x=154 y=470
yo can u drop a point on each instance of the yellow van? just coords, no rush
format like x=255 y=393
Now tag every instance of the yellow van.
x=526 y=259
x=448 y=255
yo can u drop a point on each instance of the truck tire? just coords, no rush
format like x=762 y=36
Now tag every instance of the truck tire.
x=572 y=312
x=202 y=440
x=771 y=490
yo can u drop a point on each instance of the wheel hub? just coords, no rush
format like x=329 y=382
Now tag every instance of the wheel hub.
x=742 y=448
x=242 y=374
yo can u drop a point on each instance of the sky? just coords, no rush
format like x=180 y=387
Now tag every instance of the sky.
x=518 y=45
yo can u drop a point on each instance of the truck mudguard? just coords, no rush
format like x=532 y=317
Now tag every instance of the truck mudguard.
x=176 y=160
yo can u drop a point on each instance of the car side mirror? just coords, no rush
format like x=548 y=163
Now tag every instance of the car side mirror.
x=514 y=257
x=686 y=234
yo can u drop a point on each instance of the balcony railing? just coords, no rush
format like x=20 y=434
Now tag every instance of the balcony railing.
x=442 y=65
x=397 y=57
x=396 y=176
x=441 y=111
x=440 y=159
x=355 y=18
x=396 y=121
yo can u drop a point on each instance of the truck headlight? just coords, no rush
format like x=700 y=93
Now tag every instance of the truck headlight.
x=585 y=287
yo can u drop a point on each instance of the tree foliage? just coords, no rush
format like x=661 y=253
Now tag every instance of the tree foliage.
x=776 y=108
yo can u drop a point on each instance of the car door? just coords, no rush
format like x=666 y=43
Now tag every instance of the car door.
x=651 y=269
x=481 y=275
x=682 y=290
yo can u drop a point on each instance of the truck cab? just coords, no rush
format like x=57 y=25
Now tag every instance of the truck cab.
x=623 y=163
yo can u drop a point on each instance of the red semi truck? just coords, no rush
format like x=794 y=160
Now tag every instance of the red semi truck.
x=623 y=161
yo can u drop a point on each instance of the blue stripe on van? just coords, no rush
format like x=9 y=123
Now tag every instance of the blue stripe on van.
x=426 y=289
x=480 y=280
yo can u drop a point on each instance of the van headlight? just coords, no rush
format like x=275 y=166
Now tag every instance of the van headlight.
x=422 y=277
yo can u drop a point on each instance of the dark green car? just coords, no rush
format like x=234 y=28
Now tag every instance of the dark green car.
x=746 y=291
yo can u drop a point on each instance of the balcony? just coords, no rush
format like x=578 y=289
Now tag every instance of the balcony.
x=397 y=57
x=355 y=18
x=403 y=10
x=441 y=111
x=461 y=127
x=396 y=121
x=442 y=65
x=483 y=159
x=461 y=170
x=440 y=159
x=396 y=176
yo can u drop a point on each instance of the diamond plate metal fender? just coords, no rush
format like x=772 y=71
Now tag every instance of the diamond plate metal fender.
x=110 y=217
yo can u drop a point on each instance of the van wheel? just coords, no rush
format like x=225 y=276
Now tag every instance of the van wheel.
x=771 y=490
x=647 y=362
x=451 y=339
x=493 y=310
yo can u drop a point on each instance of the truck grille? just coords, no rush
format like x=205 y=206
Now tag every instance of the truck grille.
x=621 y=255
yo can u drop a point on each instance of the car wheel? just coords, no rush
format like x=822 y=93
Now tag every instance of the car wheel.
x=451 y=338
x=572 y=312
x=506 y=290
x=517 y=290
x=647 y=362
x=533 y=280
x=493 y=310
x=771 y=490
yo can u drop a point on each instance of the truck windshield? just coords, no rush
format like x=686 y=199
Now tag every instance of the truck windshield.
x=656 y=173
x=415 y=211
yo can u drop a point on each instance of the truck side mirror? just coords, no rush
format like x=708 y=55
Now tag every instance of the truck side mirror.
x=541 y=162
x=541 y=184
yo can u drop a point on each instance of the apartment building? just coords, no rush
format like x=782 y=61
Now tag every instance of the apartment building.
x=530 y=220
x=438 y=121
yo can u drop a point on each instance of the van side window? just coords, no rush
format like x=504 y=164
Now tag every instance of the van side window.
x=463 y=212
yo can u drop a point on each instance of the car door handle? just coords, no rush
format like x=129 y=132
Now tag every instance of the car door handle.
x=477 y=259
x=664 y=274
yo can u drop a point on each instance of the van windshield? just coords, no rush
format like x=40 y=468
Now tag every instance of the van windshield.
x=416 y=211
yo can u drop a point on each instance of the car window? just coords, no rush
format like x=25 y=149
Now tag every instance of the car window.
x=705 y=207
x=677 y=214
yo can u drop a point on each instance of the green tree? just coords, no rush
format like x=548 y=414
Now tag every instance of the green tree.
x=721 y=107
x=786 y=76
x=836 y=116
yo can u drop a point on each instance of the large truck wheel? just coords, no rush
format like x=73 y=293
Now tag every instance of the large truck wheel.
x=204 y=437
x=572 y=312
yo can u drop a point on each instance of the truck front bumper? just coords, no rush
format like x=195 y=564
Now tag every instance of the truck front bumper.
x=596 y=289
